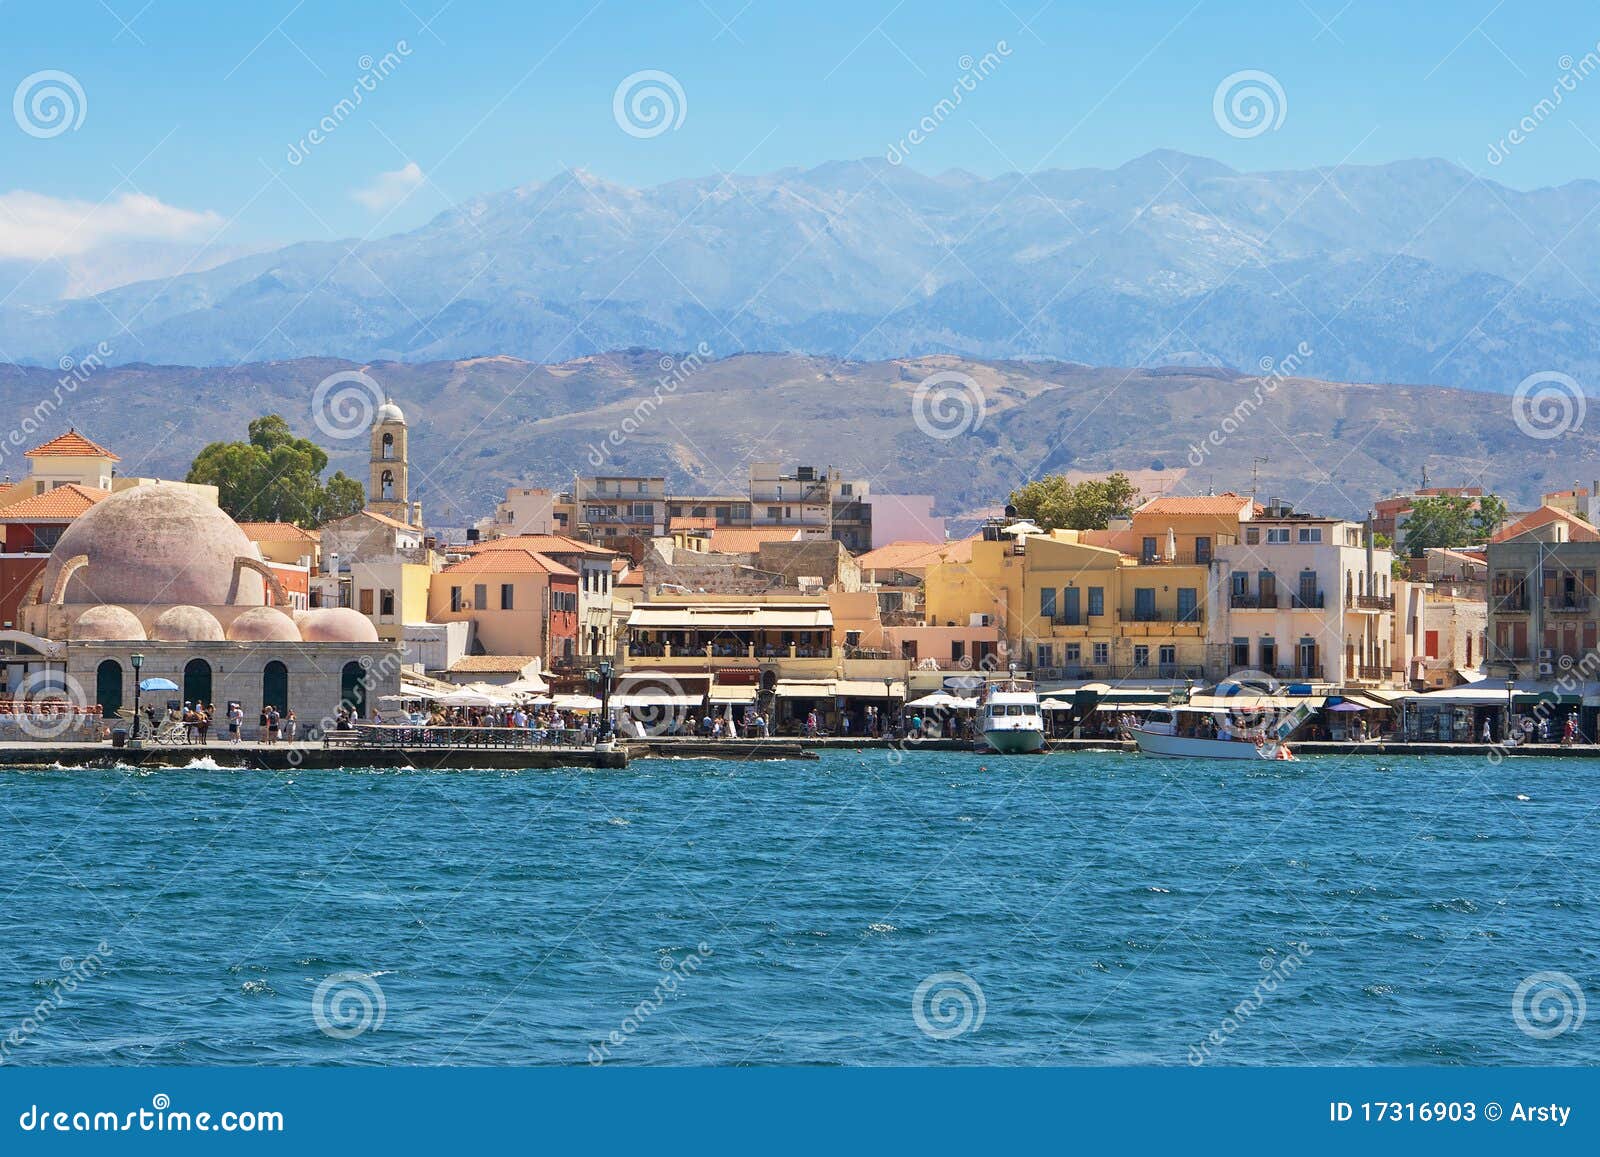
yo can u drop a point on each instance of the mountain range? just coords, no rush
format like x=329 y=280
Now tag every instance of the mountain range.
x=480 y=425
x=1408 y=272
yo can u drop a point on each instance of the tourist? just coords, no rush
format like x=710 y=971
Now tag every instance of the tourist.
x=1488 y=733
x=203 y=720
x=235 y=721
x=1569 y=731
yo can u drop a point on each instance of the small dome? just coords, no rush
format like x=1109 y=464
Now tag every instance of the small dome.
x=264 y=625
x=389 y=412
x=186 y=625
x=109 y=624
x=155 y=545
x=335 y=625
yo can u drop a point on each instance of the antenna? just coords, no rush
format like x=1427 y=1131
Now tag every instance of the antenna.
x=1255 y=474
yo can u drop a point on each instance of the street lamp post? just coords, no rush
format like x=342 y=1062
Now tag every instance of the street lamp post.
x=138 y=661
x=602 y=675
x=1511 y=689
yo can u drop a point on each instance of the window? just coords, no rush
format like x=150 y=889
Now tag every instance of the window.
x=1144 y=605
x=846 y=489
x=1311 y=534
x=1069 y=606
x=958 y=651
x=364 y=600
x=386 y=602
x=643 y=509
x=1149 y=551
x=1241 y=584
x=1269 y=652
x=908 y=649
x=1141 y=656
x=1188 y=605
x=1097 y=601
x=480 y=596
x=1202 y=551
x=697 y=512
x=507 y=597
x=1241 y=652
x=774 y=512
x=1252 y=535
x=1047 y=602
x=1102 y=652
x=1277 y=534
x=1167 y=656
x=1046 y=655
x=1074 y=654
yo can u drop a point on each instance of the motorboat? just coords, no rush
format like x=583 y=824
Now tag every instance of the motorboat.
x=1215 y=733
x=1012 y=722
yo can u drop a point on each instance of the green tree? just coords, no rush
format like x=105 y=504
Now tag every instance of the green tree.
x=276 y=477
x=1450 y=521
x=1057 y=504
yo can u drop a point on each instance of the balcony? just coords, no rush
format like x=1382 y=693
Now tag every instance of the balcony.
x=1180 y=558
x=1374 y=602
x=1303 y=601
x=1372 y=674
x=1241 y=602
x=1574 y=604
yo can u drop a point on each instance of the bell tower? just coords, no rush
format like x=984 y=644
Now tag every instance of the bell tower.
x=388 y=481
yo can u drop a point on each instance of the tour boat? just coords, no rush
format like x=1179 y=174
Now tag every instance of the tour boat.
x=1159 y=734
x=1012 y=721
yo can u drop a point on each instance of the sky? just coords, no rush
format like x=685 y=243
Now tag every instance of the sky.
x=193 y=121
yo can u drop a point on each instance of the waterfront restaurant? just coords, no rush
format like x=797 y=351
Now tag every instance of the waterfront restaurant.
x=731 y=630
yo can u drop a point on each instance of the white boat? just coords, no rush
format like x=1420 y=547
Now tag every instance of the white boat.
x=1012 y=721
x=1162 y=733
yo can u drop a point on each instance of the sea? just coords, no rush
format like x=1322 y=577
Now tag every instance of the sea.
x=866 y=908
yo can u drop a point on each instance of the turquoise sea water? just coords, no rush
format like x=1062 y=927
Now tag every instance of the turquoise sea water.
x=1097 y=909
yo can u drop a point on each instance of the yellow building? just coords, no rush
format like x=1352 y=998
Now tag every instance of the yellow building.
x=1068 y=609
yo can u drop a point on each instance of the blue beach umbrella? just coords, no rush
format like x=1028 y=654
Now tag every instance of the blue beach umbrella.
x=157 y=685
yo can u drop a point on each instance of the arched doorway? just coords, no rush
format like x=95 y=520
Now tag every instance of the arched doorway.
x=275 y=686
x=197 y=681
x=353 y=687
x=108 y=688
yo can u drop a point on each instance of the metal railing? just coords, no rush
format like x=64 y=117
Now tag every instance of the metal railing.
x=1577 y=604
x=1374 y=602
x=1241 y=602
x=1374 y=674
x=1301 y=601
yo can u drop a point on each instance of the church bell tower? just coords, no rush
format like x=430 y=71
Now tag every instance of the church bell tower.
x=388 y=481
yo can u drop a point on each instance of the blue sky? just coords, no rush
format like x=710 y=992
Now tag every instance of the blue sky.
x=196 y=105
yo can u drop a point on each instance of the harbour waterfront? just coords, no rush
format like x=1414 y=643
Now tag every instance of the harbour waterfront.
x=951 y=908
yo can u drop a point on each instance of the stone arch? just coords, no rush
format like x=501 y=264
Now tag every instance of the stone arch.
x=280 y=596
x=58 y=593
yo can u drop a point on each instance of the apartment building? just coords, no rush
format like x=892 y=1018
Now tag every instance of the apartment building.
x=1304 y=597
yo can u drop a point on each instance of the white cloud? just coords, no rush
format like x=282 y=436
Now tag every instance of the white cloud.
x=34 y=227
x=390 y=188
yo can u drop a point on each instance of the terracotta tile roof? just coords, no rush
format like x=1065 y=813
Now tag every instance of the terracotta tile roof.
x=517 y=560
x=634 y=578
x=1578 y=529
x=745 y=540
x=685 y=522
x=903 y=555
x=542 y=544
x=278 y=532
x=71 y=445
x=60 y=504
x=1226 y=503
x=491 y=664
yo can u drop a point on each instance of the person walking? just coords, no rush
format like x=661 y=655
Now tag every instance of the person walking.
x=235 y=722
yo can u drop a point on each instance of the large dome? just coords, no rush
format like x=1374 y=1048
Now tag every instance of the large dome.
x=155 y=545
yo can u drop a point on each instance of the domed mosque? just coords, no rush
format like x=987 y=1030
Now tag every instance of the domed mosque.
x=159 y=570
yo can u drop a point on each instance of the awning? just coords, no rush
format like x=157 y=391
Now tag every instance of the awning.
x=576 y=703
x=1249 y=702
x=656 y=699
x=1366 y=701
x=736 y=694
x=804 y=688
x=869 y=689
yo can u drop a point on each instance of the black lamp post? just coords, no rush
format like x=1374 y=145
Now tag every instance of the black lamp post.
x=138 y=661
x=1511 y=690
x=602 y=675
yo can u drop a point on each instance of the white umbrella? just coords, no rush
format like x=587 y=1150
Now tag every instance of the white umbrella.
x=577 y=702
x=1024 y=527
x=936 y=699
